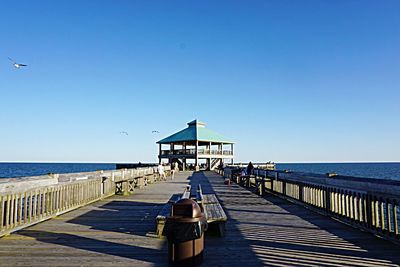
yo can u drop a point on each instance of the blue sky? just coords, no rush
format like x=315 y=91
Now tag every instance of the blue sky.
x=289 y=81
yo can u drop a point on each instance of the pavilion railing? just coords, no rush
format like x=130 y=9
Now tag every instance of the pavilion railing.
x=367 y=204
x=193 y=152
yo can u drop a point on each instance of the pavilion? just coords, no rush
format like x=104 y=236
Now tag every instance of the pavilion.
x=196 y=144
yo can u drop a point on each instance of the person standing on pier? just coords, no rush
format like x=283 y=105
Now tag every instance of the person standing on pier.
x=250 y=168
x=161 y=172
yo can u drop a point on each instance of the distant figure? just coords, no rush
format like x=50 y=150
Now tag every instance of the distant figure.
x=173 y=170
x=161 y=172
x=176 y=167
x=250 y=168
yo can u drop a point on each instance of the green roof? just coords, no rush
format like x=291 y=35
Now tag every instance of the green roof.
x=196 y=131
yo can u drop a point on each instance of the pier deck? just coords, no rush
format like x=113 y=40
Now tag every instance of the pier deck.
x=260 y=231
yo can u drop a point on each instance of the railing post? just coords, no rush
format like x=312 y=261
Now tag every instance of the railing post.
x=369 y=211
x=382 y=214
x=247 y=184
x=327 y=200
x=301 y=193
x=395 y=218
x=263 y=184
x=388 y=216
x=2 y=211
x=284 y=187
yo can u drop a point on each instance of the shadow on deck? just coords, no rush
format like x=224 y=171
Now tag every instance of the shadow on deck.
x=277 y=232
x=117 y=228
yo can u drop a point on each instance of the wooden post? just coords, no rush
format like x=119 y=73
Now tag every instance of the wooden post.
x=15 y=208
x=327 y=199
x=382 y=214
x=368 y=210
x=388 y=216
x=284 y=187
x=1 y=213
x=395 y=219
x=39 y=205
x=301 y=195
x=25 y=207
x=263 y=184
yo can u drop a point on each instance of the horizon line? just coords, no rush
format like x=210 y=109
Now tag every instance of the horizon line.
x=133 y=162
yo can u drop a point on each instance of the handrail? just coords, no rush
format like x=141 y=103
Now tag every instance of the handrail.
x=25 y=206
x=367 y=204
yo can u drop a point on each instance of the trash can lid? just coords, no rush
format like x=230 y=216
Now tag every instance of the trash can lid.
x=186 y=207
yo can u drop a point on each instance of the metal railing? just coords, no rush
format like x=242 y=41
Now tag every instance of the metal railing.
x=368 y=204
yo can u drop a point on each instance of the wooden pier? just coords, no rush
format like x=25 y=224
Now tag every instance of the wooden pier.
x=260 y=231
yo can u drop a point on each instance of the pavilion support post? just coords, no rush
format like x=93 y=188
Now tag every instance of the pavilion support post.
x=196 y=163
x=232 y=153
x=184 y=159
x=159 y=154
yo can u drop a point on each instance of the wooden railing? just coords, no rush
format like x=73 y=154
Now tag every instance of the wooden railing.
x=22 y=208
x=368 y=204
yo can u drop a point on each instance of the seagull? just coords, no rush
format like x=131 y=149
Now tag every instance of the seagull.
x=17 y=65
x=125 y=133
x=155 y=131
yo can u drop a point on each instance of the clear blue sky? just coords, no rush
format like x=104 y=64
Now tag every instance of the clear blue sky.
x=289 y=81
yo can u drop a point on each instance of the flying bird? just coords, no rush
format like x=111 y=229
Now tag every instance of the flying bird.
x=125 y=133
x=17 y=65
x=155 y=131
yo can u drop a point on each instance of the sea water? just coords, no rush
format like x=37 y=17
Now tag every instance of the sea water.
x=367 y=170
x=12 y=170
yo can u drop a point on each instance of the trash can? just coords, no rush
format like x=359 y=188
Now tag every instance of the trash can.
x=184 y=230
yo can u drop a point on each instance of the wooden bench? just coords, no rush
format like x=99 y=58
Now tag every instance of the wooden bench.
x=166 y=210
x=212 y=209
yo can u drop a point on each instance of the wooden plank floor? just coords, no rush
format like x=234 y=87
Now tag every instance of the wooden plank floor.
x=260 y=232
x=111 y=232
x=273 y=232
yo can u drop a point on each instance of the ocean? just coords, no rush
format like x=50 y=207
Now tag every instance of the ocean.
x=13 y=170
x=367 y=170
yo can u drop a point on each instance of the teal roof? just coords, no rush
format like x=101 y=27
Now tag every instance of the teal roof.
x=196 y=131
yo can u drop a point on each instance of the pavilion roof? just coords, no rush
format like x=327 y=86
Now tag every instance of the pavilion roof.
x=196 y=131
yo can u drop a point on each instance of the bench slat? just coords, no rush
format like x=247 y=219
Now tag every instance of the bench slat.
x=215 y=212
x=210 y=199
